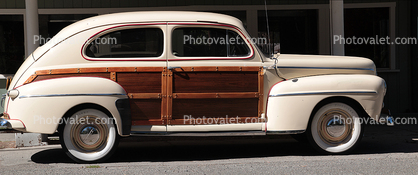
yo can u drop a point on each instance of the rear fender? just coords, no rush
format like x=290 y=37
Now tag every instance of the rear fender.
x=41 y=105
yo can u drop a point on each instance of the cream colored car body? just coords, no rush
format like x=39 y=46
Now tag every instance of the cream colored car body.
x=289 y=99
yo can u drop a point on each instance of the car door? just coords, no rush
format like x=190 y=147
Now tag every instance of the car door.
x=214 y=77
x=134 y=56
x=140 y=68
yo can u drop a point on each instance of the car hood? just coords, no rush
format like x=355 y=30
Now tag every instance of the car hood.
x=294 y=66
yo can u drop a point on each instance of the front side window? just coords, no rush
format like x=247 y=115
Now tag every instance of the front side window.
x=208 y=42
x=128 y=43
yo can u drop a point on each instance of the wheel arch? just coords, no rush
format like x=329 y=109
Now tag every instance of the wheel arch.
x=343 y=99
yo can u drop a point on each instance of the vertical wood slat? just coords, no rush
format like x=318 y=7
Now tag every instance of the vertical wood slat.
x=113 y=76
x=260 y=91
x=169 y=95
x=164 y=96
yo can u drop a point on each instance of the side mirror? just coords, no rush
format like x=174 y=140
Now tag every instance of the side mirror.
x=276 y=55
x=276 y=50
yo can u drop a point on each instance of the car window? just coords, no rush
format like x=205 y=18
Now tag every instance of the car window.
x=208 y=42
x=128 y=43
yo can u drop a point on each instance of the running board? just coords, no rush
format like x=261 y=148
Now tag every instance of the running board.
x=199 y=134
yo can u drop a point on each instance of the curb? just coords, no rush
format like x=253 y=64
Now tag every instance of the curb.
x=7 y=140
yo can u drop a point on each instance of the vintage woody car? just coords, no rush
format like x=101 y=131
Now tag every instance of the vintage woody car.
x=137 y=73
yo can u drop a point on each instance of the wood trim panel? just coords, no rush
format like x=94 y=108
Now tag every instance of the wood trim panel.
x=99 y=69
x=215 y=95
x=145 y=109
x=140 y=82
x=164 y=95
x=169 y=95
x=72 y=71
x=136 y=69
x=144 y=95
x=91 y=70
x=45 y=77
x=260 y=91
x=216 y=68
x=113 y=76
x=215 y=82
x=215 y=107
x=153 y=99
x=31 y=78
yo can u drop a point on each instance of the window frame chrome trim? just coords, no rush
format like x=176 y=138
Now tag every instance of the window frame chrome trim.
x=124 y=26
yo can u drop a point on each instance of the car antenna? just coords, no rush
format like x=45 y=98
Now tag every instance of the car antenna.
x=269 y=45
x=268 y=29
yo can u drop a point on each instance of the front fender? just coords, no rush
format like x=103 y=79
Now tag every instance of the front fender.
x=40 y=105
x=291 y=102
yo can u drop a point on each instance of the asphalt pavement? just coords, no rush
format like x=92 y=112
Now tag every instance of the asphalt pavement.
x=383 y=150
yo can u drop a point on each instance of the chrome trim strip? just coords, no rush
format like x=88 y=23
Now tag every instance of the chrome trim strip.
x=59 y=95
x=345 y=68
x=285 y=132
x=199 y=134
x=320 y=93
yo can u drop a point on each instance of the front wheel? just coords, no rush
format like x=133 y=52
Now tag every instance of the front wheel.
x=335 y=128
x=88 y=136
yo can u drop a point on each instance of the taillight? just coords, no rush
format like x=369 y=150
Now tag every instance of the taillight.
x=13 y=93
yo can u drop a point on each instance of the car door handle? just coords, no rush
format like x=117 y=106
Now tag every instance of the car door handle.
x=175 y=67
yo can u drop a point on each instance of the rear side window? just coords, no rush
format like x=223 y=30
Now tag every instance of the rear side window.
x=208 y=42
x=128 y=43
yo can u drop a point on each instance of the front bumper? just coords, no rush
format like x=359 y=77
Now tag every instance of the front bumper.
x=387 y=119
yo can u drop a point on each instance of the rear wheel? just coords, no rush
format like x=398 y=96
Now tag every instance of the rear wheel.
x=335 y=128
x=88 y=136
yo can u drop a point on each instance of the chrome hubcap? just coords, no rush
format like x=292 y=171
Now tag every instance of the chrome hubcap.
x=89 y=135
x=335 y=127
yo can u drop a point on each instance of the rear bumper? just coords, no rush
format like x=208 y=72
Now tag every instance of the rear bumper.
x=11 y=124
x=4 y=124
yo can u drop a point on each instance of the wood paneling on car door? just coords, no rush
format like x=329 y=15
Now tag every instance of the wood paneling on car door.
x=144 y=86
x=159 y=96
x=208 y=93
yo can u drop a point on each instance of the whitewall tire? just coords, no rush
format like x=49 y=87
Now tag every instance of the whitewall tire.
x=88 y=136
x=335 y=128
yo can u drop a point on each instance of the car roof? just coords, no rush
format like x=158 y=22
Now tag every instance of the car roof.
x=151 y=16
x=138 y=17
